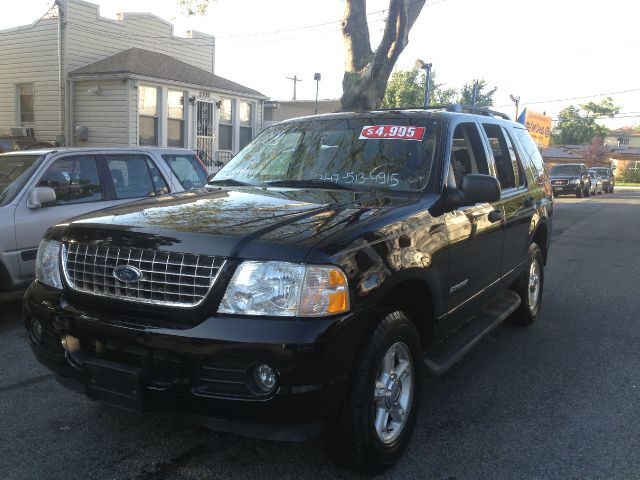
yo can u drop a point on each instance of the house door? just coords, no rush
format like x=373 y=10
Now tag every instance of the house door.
x=204 y=134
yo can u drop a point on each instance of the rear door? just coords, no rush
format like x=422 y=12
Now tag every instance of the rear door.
x=79 y=187
x=475 y=241
x=517 y=202
x=133 y=176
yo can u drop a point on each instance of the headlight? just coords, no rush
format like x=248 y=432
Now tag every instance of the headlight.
x=575 y=180
x=286 y=289
x=48 y=263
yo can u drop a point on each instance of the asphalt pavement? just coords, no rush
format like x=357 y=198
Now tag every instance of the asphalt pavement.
x=557 y=400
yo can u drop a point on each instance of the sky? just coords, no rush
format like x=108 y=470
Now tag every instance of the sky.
x=550 y=53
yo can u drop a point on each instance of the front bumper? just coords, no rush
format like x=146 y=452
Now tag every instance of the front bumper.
x=571 y=188
x=204 y=369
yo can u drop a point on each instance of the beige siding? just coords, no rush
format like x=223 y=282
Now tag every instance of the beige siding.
x=105 y=114
x=133 y=115
x=29 y=54
x=91 y=38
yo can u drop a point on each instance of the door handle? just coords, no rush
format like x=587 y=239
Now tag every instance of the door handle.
x=494 y=216
x=528 y=203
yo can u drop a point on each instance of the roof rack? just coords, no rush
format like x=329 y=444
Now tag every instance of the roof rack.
x=456 y=107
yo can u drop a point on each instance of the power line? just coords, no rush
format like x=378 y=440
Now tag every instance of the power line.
x=572 y=98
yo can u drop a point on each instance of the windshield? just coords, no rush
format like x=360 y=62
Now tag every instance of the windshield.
x=603 y=172
x=15 y=170
x=565 y=170
x=359 y=154
x=190 y=172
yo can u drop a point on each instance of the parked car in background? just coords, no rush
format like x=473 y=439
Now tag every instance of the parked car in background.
x=607 y=177
x=570 y=179
x=301 y=288
x=14 y=144
x=596 y=183
x=40 y=188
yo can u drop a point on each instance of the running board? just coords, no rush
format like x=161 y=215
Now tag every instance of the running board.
x=445 y=355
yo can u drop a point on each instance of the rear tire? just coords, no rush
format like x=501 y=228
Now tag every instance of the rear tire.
x=360 y=436
x=530 y=287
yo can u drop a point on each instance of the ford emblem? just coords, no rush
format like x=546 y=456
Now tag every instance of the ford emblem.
x=127 y=273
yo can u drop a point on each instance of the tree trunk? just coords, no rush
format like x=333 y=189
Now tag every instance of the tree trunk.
x=367 y=72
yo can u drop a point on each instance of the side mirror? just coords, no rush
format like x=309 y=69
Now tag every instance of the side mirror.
x=475 y=188
x=41 y=196
x=480 y=189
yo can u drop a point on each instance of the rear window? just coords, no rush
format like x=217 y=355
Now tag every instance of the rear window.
x=188 y=169
x=15 y=170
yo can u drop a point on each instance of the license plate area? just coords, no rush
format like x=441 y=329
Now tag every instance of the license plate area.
x=115 y=384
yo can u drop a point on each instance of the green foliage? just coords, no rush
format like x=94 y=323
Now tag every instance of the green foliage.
x=406 y=89
x=577 y=125
x=631 y=174
x=194 y=7
x=483 y=98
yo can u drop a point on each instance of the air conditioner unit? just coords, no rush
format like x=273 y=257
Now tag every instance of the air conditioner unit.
x=22 y=132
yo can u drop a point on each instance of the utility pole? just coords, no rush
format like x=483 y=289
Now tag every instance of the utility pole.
x=474 y=97
x=427 y=81
x=515 y=100
x=316 y=77
x=295 y=80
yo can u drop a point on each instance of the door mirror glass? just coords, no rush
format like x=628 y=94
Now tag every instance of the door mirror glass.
x=480 y=189
x=41 y=196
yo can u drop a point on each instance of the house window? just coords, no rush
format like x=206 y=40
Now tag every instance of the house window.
x=148 y=115
x=623 y=141
x=246 y=123
x=225 y=127
x=25 y=104
x=175 y=122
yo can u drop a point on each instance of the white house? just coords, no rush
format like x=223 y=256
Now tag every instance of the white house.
x=84 y=80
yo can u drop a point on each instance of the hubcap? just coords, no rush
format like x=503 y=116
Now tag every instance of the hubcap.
x=534 y=284
x=393 y=392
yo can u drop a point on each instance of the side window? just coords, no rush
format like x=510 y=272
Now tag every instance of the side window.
x=530 y=150
x=515 y=160
x=501 y=155
x=467 y=154
x=188 y=170
x=135 y=176
x=74 y=179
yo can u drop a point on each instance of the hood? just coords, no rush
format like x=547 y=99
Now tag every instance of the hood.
x=564 y=177
x=233 y=222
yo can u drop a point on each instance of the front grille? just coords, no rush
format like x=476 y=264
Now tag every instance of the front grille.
x=560 y=182
x=168 y=278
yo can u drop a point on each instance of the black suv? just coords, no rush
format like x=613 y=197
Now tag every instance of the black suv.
x=608 y=179
x=301 y=290
x=572 y=179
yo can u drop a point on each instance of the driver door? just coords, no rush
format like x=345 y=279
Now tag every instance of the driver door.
x=80 y=188
x=475 y=241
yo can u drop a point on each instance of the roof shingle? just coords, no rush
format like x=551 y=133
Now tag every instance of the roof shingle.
x=137 y=61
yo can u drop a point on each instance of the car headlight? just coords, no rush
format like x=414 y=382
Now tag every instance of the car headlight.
x=48 y=263
x=575 y=180
x=286 y=289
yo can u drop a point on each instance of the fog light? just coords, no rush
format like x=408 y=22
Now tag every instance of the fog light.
x=265 y=378
x=36 y=331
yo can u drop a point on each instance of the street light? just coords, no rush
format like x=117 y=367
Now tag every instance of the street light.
x=515 y=100
x=316 y=77
x=427 y=69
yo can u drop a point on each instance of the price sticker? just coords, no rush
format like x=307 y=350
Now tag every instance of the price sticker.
x=394 y=132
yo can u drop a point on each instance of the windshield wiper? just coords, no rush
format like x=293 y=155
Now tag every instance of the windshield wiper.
x=309 y=183
x=228 y=181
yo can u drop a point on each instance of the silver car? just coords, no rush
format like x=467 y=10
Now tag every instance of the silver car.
x=40 y=188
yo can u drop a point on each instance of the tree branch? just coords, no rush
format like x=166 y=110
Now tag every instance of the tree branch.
x=402 y=15
x=355 y=33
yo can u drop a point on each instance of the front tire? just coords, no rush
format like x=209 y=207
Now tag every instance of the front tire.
x=530 y=287
x=579 y=192
x=375 y=422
